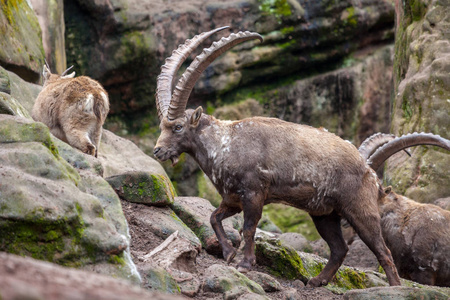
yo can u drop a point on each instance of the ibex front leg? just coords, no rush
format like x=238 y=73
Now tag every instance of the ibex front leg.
x=224 y=211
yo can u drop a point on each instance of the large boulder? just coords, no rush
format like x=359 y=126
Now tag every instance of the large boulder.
x=422 y=90
x=21 y=48
x=51 y=212
x=18 y=95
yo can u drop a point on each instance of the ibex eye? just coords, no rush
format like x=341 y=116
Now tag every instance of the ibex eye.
x=177 y=128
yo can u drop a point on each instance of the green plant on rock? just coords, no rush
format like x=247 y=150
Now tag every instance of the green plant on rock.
x=277 y=8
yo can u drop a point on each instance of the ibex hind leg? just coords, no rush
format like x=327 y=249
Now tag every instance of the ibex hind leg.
x=367 y=225
x=330 y=230
x=81 y=140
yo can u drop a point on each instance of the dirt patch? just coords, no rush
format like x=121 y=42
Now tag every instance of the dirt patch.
x=143 y=241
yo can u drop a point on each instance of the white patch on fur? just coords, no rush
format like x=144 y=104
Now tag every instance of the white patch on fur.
x=89 y=104
x=88 y=138
x=104 y=97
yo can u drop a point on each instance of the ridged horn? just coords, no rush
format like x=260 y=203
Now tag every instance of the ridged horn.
x=189 y=78
x=373 y=142
x=405 y=141
x=171 y=66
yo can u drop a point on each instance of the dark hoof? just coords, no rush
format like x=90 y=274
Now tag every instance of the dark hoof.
x=244 y=269
x=316 y=282
x=230 y=256
x=245 y=266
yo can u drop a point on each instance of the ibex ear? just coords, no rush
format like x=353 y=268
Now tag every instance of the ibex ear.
x=71 y=75
x=196 y=116
x=388 y=190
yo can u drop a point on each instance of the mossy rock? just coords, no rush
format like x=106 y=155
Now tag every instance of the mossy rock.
x=50 y=212
x=422 y=90
x=227 y=280
x=142 y=187
x=287 y=263
x=10 y=106
x=21 y=48
x=158 y=279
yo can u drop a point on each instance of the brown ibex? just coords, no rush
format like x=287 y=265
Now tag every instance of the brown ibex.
x=418 y=235
x=73 y=108
x=257 y=161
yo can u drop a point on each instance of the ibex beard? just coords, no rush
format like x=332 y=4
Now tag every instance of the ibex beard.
x=257 y=161
x=73 y=108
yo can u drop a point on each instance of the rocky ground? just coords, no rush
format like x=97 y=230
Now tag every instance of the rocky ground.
x=143 y=241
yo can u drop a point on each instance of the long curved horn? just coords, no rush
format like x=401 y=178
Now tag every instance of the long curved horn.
x=373 y=142
x=405 y=141
x=172 y=65
x=201 y=62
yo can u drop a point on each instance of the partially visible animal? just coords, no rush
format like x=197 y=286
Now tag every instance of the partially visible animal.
x=418 y=235
x=74 y=108
x=257 y=161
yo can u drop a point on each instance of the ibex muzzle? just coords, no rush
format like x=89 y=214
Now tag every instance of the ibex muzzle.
x=257 y=161
x=73 y=108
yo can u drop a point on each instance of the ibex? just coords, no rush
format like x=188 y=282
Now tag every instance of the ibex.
x=73 y=108
x=259 y=160
x=418 y=235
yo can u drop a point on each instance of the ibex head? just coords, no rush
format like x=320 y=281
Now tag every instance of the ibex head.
x=178 y=125
x=50 y=77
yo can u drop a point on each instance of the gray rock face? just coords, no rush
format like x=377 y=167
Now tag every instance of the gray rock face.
x=17 y=94
x=422 y=90
x=52 y=212
x=137 y=37
x=50 y=15
x=21 y=46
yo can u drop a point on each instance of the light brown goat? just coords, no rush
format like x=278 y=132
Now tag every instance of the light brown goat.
x=418 y=235
x=73 y=108
x=258 y=161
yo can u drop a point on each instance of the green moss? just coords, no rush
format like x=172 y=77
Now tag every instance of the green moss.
x=8 y=8
x=287 y=44
x=117 y=260
x=287 y=30
x=406 y=108
x=54 y=241
x=277 y=8
x=352 y=19
x=418 y=9
x=282 y=261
